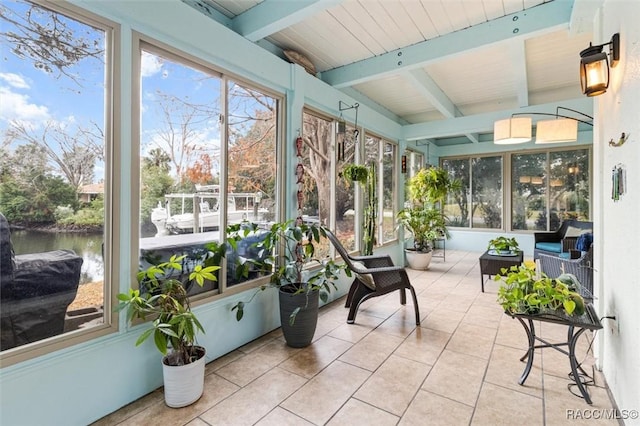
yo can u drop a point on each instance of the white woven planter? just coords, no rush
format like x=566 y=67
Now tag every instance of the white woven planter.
x=184 y=384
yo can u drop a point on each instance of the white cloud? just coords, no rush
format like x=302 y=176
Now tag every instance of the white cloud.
x=14 y=80
x=150 y=64
x=15 y=106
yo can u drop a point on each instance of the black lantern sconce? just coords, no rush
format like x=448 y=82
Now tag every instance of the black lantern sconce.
x=594 y=66
x=403 y=164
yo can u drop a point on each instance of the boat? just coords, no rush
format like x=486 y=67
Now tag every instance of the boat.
x=207 y=215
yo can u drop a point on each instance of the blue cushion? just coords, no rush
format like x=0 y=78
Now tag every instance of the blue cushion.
x=552 y=247
x=565 y=255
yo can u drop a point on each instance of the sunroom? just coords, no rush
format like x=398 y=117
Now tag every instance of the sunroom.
x=149 y=126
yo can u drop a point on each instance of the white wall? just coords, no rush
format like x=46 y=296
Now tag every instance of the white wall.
x=617 y=231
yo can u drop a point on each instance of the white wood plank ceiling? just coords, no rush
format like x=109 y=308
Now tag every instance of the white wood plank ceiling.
x=426 y=61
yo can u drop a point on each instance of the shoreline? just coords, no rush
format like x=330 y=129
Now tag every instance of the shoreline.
x=55 y=229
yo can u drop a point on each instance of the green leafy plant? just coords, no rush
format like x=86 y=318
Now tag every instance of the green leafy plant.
x=422 y=215
x=366 y=177
x=425 y=225
x=502 y=244
x=522 y=292
x=288 y=253
x=162 y=295
x=355 y=173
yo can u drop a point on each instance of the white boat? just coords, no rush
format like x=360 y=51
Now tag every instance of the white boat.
x=207 y=216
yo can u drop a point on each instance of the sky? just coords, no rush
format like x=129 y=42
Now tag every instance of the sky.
x=34 y=97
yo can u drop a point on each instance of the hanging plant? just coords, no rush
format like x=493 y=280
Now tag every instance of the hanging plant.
x=355 y=173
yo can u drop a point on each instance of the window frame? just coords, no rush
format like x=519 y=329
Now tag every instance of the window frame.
x=507 y=219
x=112 y=182
x=142 y=42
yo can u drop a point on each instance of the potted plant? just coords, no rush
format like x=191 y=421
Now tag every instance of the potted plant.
x=366 y=177
x=426 y=224
x=524 y=292
x=422 y=216
x=503 y=245
x=162 y=296
x=289 y=254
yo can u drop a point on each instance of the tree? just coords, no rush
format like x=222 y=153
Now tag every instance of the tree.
x=71 y=149
x=317 y=136
x=48 y=39
x=34 y=202
x=179 y=137
x=155 y=183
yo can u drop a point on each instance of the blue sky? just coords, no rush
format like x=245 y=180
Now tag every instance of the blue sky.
x=34 y=97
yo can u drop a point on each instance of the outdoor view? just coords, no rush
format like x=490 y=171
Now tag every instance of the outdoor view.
x=546 y=188
x=52 y=119
x=185 y=196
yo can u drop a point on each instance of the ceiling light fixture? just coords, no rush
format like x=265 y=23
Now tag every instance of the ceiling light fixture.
x=594 y=66
x=512 y=131
x=561 y=128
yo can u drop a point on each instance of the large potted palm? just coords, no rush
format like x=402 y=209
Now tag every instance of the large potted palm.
x=301 y=276
x=162 y=296
x=422 y=216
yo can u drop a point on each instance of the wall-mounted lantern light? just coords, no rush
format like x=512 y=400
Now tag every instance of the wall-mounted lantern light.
x=403 y=164
x=594 y=66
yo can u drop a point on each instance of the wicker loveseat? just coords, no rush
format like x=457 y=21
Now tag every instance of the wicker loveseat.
x=35 y=291
x=561 y=241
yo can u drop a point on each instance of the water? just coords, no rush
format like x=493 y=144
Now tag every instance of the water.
x=88 y=246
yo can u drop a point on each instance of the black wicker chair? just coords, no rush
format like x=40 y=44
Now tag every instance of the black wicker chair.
x=556 y=242
x=374 y=276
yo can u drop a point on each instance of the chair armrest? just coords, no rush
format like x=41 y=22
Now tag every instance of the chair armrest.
x=546 y=237
x=569 y=243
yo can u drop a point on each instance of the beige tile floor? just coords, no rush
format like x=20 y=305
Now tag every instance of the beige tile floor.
x=460 y=367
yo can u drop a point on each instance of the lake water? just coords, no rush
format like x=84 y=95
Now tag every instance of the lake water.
x=88 y=246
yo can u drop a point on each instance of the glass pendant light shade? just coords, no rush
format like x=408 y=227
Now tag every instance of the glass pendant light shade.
x=556 y=130
x=513 y=130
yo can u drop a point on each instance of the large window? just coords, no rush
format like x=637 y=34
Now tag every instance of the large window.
x=479 y=204
x=548 y=188
x=55 y=81
x=345 y=194
x=208 y=160
x=383 y=155
x=388 y=187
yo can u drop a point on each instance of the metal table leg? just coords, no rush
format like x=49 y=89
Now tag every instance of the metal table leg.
x=573 y=339
x=531 y=336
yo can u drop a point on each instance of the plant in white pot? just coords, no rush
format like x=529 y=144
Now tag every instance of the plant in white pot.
x=162 y=297
x=422 y=216
x=301 y=277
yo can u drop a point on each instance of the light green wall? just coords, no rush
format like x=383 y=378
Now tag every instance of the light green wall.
x=81 y=384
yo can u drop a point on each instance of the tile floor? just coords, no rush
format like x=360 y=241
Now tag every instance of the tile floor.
x=460 y=367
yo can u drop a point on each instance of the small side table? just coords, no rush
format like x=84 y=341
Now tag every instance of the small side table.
x=493 y=264
x=576 y=325
x=440 y=251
